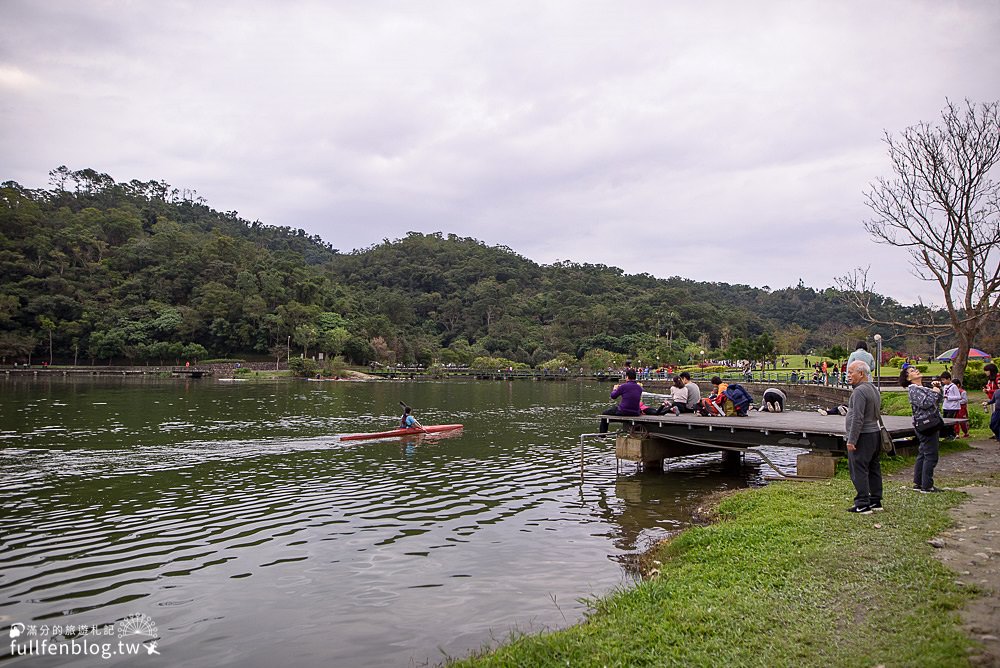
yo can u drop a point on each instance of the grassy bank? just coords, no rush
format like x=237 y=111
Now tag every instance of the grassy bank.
x=786 y=577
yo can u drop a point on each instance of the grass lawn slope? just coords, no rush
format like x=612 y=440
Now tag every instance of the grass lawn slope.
x=785 y=577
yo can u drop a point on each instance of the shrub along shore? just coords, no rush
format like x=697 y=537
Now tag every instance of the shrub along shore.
x=783 y=577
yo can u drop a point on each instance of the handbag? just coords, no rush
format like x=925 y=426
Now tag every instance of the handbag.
x=928 y=424
x=885 y=438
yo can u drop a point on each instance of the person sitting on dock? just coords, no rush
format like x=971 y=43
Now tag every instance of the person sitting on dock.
x=678 y=396
x=631 y=396
x=773 y=402
x=715 y=404
x=694 y=393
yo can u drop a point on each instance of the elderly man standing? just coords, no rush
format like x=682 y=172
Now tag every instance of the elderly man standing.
x=863 y=442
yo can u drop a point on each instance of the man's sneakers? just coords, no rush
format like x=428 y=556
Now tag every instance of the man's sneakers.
x=822 y=411
x=930 y=490
x=842 y=410
x=867 y=510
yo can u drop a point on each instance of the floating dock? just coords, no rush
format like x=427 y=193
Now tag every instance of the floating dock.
x=649 y=439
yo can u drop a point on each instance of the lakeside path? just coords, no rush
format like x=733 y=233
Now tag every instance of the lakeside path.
x=971 y=547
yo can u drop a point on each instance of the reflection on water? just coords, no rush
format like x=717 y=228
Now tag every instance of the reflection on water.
x=232 y=515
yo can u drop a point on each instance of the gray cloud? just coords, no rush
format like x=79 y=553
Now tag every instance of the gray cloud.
x=715 y=140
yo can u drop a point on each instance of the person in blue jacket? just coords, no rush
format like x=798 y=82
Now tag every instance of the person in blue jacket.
x=407 y=421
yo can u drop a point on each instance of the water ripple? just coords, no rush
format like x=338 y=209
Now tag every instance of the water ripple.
x=207 y=510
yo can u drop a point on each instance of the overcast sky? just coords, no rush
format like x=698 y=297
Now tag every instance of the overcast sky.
x=729 y=141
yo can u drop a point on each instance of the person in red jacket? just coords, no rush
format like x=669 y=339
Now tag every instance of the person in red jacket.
x=963 y=410
x=992 y=385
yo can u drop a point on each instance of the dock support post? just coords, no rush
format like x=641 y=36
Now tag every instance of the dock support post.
x=732 y=458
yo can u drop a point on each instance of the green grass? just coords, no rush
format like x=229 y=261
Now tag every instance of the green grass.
x=785 y=578
x=798 y=362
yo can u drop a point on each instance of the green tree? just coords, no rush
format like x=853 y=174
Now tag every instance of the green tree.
x=459 y=352
x=496 y=364
x=332 y=341
x=837 y=353
x=791 y=339
x=139 y=265
x=739 y=349
x=306 y=336
x=763 y=348
x=598 y=359
x=106 y=345
x=563 y=361
x=194 y=352
x=358 y=350
x=9 y=306
x=14 y=346
x=49 y=325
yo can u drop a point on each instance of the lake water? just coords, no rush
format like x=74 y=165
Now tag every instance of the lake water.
x=231 y=524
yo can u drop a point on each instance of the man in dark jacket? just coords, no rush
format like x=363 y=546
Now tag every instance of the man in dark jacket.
x=863 y=443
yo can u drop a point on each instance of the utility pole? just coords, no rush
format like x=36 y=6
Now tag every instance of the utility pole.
x=878 y=360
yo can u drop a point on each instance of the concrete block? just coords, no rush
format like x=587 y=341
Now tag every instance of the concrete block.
x=816 y=465
x=649 y=451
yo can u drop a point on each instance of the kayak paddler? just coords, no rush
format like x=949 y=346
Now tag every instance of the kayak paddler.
x=407 y=421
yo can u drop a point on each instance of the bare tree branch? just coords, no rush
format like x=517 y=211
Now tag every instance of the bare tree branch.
x=943 y=207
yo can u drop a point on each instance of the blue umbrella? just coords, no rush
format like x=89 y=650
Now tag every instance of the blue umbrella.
x=974 y=353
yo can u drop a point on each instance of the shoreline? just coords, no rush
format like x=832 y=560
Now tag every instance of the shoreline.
x=788 y=557
x=218 y=372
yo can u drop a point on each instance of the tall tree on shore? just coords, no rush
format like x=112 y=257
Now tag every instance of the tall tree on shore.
x=943 y=206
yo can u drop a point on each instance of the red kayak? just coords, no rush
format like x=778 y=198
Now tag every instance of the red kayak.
x=429 y=429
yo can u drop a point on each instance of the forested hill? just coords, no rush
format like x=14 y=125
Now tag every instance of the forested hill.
x=96 y=270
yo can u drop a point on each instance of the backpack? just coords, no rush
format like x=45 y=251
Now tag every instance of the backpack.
x=740 y=397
